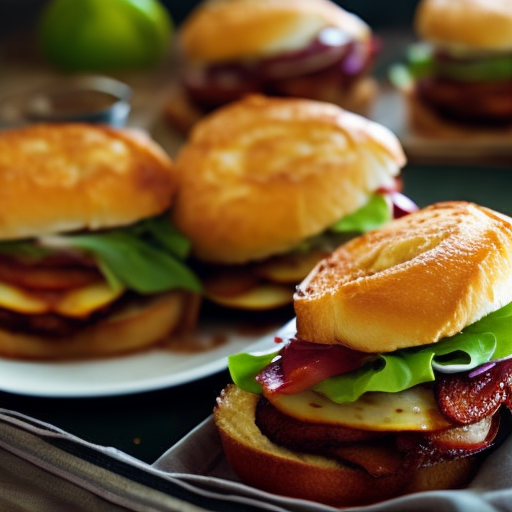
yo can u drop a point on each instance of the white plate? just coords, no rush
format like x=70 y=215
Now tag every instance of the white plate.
x=141 y=372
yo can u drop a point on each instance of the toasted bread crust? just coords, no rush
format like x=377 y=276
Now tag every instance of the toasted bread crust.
x=261 y=27
x=418 y=279
x=259 y=176
x=65 y=177
x=313 y=477
x=134 y=328
x=474 y=24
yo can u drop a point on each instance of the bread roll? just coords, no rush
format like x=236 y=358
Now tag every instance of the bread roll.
x=281 y=471
x=418 y=279
x=466 y=24
x=66 y=177
x=261 y=28
x=259 y=176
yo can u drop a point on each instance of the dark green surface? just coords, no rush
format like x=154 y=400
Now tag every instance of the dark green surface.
x=487 y=186
x=146 y=425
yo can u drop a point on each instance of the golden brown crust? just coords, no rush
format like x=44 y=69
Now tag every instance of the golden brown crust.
x=65 y=177
x=475 y=24
x=418 y=279
x=259 y=176
x=260 y=27
x=281 y=471
x=134 y=328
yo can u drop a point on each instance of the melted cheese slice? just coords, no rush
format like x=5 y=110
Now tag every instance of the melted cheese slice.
x=83 y=301
x=19 y=300
x=262 y=296
x=289 y=268
x=76 y=302
x=413 y=409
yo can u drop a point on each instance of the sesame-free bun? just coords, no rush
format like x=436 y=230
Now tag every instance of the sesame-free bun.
x=65 y=177
x=138 y=325
x=418 y=279
x=220 y=30
x=471 y=24
x=260 y=175
x=313 y=477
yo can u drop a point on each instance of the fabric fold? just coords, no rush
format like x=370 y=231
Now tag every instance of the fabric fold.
x=53 y=470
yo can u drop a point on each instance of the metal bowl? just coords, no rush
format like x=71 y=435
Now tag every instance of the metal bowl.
x=90 y=99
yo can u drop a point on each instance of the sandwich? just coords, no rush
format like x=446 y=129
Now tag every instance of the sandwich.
x=269 y=186
x=395 y=376
x=90 y=265
x=304 y=48
x=459 y=74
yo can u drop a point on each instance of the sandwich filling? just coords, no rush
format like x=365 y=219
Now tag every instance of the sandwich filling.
x=57 y=284
x=332 y=57
x=270 y=283
x=467 y=86
x=384 y=412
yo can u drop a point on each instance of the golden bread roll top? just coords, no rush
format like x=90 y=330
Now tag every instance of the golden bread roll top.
x=422 y=277
x=237 y=29
x=65 y=177
x=259 y=176
x=471 y=24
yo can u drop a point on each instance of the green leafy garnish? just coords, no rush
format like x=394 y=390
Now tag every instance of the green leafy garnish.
x=421 y=61
x=147 y=257
x=406 y=368
x=250 y=365
x=374 y=214
x=476 y=70
x=23 y=249
x=488 y=339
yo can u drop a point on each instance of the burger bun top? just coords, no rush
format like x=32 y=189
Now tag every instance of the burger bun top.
x=66 y=177
x=420 y=278
x=261 y=27
x=484 y=25
x=259 y=176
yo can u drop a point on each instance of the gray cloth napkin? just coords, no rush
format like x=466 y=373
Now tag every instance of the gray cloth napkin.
x=43 y=468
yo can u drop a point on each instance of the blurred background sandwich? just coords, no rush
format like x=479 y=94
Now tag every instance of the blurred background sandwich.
x=304 y=48
x=89 y=263
x=460 y=81
x=268 y=186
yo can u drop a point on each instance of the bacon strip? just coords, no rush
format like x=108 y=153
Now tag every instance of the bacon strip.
x=304 y=364
x=466 y=400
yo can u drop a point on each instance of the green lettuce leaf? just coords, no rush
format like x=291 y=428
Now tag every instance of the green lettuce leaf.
x=421 y=62
x=406 y=368
x=498 y=67
x=487 y=340
x=374 y=214
x=24 y=249
x=244 y=368
x=146 y=257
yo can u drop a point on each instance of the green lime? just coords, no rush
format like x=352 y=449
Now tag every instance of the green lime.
x=101 y=35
